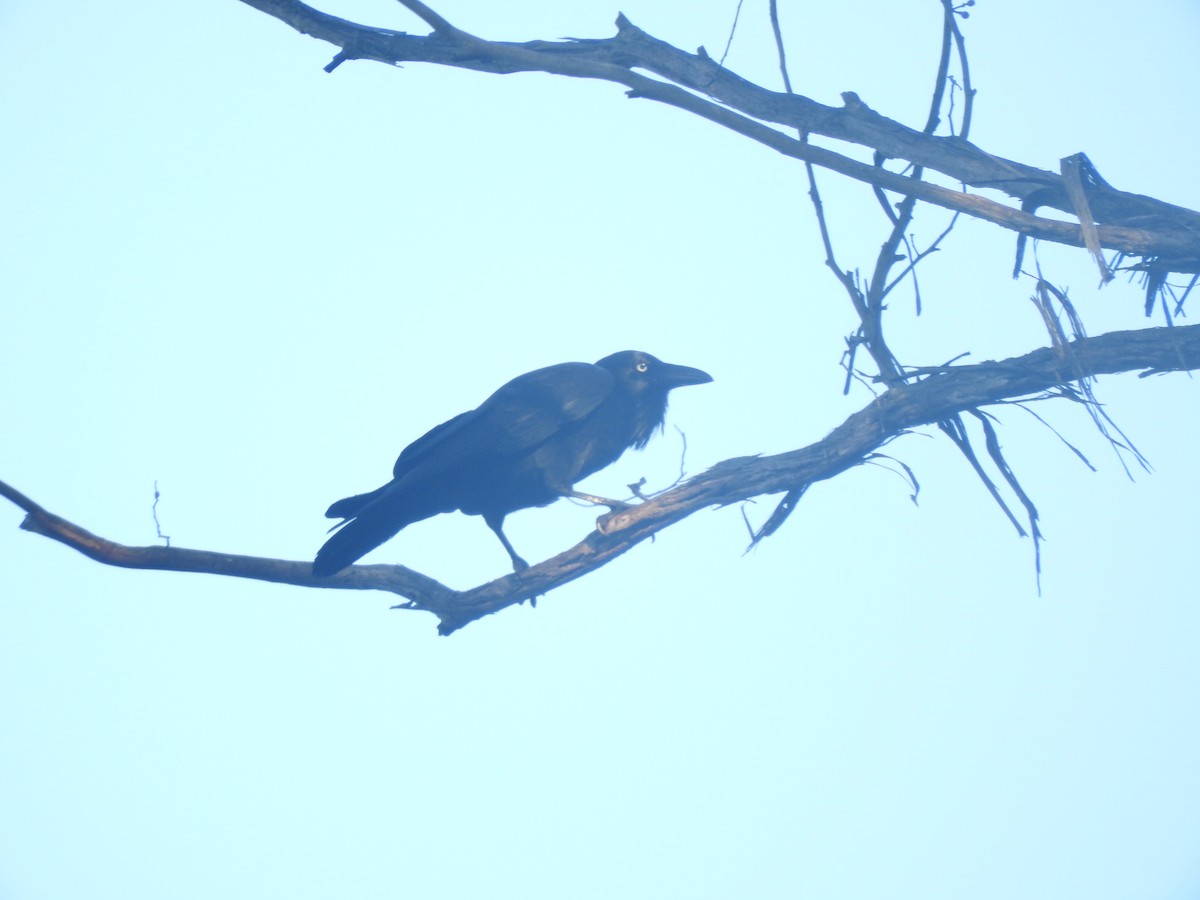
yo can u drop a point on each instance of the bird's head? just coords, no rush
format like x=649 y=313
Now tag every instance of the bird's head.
x=645 y=381
x=641 y=373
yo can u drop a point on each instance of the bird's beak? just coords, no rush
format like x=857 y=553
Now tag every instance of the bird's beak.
x=678 y=376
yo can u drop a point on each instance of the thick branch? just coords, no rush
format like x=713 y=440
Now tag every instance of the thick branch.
x=934 y=398
x=1131 y=223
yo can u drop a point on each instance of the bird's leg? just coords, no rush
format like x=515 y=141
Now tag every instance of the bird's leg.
x=497 y=525
x=614 y=505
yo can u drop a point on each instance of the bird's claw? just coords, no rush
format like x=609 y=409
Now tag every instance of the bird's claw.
x=614 y=521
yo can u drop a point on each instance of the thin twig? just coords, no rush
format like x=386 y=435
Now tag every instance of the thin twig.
x=732 y=30
x=154 y=512
x=965 y=68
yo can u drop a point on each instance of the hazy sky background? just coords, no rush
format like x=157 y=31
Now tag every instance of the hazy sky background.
x=226 y=271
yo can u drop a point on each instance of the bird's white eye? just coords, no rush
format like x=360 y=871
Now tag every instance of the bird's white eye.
x=643 y=367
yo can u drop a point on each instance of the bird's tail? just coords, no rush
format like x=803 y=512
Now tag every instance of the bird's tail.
x=349 y=507
x=371 y=519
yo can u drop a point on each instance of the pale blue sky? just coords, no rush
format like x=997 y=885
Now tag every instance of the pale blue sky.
x=228 y=272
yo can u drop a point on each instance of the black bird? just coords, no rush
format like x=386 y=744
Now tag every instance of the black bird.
x=526 y=445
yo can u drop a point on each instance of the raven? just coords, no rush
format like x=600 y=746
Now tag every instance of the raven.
x=526 y=445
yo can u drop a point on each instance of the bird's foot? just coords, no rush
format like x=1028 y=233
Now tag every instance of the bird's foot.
x=615 y=521
x=613 y=505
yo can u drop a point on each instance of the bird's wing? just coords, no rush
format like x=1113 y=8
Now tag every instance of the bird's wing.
x=532 y=408
x=522 y=414
x=428 y=443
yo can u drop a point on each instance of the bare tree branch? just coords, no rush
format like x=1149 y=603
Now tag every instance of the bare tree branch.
x=1130 y=223
x=937 y=397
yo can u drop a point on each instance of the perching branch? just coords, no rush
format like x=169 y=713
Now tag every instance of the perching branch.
x=938 y=396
